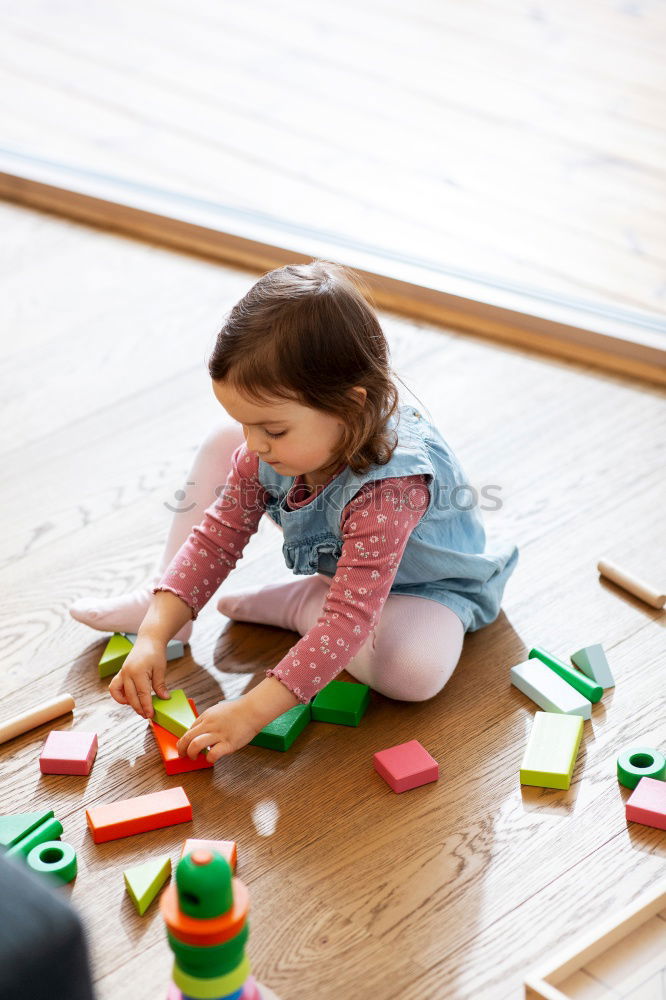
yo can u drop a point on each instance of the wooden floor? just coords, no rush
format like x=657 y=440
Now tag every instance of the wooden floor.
x=450 y=891
x=519 y=141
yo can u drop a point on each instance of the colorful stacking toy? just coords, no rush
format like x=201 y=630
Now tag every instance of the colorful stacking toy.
x=205 y=910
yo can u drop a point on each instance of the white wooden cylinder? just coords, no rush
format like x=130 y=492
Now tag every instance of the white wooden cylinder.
x=35 y=717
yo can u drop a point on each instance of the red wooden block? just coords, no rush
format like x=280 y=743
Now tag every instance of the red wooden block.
x=227 y=848
x=139 y=814
x=67 y=751
x=647 y=803
x=406 y=765
x=166 y=742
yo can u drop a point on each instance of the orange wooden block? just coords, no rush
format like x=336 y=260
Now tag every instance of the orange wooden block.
x=227 y=848
x=139 y=814
x=167 y=742
x=215 y=930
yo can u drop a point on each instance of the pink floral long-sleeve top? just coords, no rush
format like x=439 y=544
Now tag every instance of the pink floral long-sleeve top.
x=375 y=527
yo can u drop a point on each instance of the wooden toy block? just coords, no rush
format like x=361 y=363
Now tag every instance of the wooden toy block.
x=552 y=747
x=50 y=829
x=647 y=803
x=68 y=752
x=227 y=848
x=139 y=814
x=635 y=763
x=342 y=703
x=549 y=691
x=406 y=766
x=34 y=717
x=143 y=882
x=639 y=588
x=167 y=744
x=174 y=650
x=281 y=732
x=115 y=654
x=54 y=858
x=15 y=828
x=214 y=988
x=175 y=713
x=592 y=661
x=584 y=685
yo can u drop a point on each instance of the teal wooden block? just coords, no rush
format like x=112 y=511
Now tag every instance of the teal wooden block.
x=50 y=829
x=175 y=648
x=342 y=703
x=550 y=755
x=116 y=652
x=281 y=732
x=592 y=661
x=15 y=828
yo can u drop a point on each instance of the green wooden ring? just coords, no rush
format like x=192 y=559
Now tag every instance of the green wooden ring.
x=635 y=763
x=211 y=989
x=55 y=858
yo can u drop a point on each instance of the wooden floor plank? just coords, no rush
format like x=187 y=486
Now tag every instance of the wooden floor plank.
x=455 y=889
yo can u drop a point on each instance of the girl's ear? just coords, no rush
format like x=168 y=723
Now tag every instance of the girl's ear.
x=360 y=392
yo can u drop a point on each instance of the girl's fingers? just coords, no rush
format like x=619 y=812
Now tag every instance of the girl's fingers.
x=116 y=690
x=184 y=741
x=198 y=744
x=217 y=751
x=133 y=696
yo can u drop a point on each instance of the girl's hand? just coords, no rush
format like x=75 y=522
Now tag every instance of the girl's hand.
x=142 y=672
x=224 y=727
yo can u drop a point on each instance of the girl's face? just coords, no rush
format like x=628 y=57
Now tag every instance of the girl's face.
x=295 y=439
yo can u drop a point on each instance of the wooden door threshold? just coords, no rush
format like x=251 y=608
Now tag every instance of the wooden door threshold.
x=616 y=340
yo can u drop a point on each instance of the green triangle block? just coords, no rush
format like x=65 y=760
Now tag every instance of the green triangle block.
x=281 y=732
x=115 y=654
x=14 y=828
x=143 y=882
x=175 y=713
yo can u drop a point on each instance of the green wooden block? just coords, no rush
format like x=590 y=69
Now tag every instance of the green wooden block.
x=342 y=703
x=577 y=680
x=143 y=882
x=14 y=828
x=50 y=829
x=175 y=713
x=281 y=732
x=117 y=649
x=550 y=755
x=212 y=960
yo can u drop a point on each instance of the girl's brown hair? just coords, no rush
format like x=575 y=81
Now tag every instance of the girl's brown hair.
x=309 y=332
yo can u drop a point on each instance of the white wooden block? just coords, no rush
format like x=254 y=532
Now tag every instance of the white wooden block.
x=548 y=690
x=592 y=661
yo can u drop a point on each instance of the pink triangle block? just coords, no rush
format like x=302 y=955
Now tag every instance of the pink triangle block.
x=406 y=766
x=68 y=752
x=647 y=803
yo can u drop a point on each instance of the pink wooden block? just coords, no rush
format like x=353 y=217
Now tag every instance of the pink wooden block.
x=68 y=752
x=406 y=765
x=647 y=803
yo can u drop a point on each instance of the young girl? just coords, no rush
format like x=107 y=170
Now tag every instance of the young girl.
x=372 y=502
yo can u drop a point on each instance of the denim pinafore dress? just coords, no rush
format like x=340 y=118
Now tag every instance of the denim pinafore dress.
x=445 y=558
